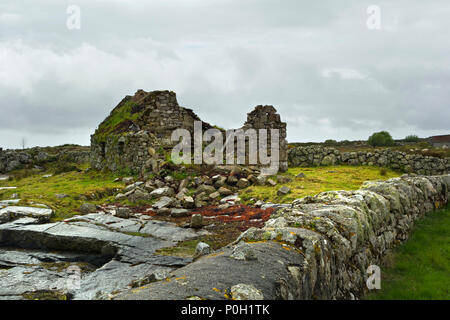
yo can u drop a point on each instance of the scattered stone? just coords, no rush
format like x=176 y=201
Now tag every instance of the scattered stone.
x=196 y=221
x=188 y=202
x=149 y=186
x=214 y=195
x=123 y=213
x=202 y=249
x=161 y=192
x=220 y=182
x=120 y=196
x=243 y=291
x=224 y=191
x=261 y=180
x=232 y=199
x=252 y=179
x=168 y=179
x=300 y=175
x=129 y=187
x=242 y=183
x=128 y=180
x=163 y=202
x=163 y=212
x=157 y=275
x=206 y=189
x=138 y=194
x=176 y=213
x=284 y=190
x=243 y=251
x=61 y=195
x=259 y=203
x=86 y=208
x=232 y=180
x=271 y=182
x=283 y=179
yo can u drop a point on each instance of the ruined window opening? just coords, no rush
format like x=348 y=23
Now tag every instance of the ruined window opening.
x=103 y=147
x=121 y=147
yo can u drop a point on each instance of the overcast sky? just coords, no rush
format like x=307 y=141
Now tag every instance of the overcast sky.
x=317 y=62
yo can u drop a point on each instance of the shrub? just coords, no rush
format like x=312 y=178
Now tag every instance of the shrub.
x=412 y=138
x=381 y=139
x=330 y=142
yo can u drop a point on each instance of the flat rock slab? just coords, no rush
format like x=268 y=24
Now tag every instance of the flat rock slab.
x=154 y=228
x=12 y=213
x=5 y=203
x=4 y=177
x=122 y=258
x=212 y=276
x=8 y=188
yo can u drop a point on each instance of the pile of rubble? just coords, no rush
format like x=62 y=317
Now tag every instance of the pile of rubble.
x=175 y=197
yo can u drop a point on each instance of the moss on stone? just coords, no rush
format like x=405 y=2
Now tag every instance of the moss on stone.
x=118 y=116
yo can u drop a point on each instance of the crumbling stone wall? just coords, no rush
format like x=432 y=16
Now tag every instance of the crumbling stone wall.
x=266 y=117
x=137 y=143
x=15 y=159
x=317 y=248
x=410 y=163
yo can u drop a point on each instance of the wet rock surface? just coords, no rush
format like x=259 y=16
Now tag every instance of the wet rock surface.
x=84 y=257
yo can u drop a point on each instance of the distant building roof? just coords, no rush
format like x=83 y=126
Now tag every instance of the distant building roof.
x=437 y=139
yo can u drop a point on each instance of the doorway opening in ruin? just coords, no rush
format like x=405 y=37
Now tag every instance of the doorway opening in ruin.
x=121 y=147
x=103 y=147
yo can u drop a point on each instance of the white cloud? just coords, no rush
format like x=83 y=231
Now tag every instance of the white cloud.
x=316 y=62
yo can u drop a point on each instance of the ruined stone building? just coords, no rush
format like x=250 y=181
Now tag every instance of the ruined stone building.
x=137 y=134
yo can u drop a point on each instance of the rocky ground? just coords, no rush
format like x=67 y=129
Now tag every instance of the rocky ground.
x=110 y=248
x=164 y=237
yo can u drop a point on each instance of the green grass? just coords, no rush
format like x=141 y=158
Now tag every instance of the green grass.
x=94 y=187
x=318 y=179
x=420 y=269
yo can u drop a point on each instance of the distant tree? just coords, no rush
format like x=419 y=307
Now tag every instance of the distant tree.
x=381 y=139
x=412 y=138
x=330 y=142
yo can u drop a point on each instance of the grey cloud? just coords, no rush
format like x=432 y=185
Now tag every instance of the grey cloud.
x=316 y=62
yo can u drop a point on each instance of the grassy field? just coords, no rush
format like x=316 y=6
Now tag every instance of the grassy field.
x=318 y=179
x=80 y=187
x=420 y=269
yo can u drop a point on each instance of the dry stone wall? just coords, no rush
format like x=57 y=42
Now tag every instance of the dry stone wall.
x=319 y=247
x=16 y=159
x=409 y=163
